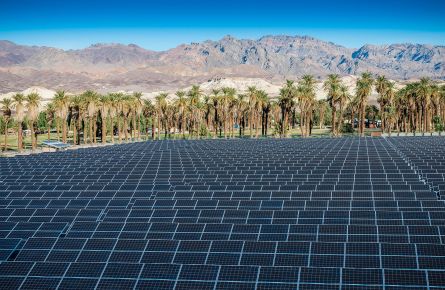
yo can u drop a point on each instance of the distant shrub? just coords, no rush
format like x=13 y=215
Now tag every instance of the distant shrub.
x=203 y=130
x=347 y=128
x=438 y=124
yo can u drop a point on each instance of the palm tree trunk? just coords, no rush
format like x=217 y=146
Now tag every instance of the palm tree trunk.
x=333 y=120
x=240 y=130
x=31 y=127
x=225 y=126
x=138 y=127
x=112 y=129
x=104 y=130
x=71 y=128
x=352 y=118
x=321 y=119
x=232 y=124
x=94 y=131
x=383 y=118
x=257 y=120
x=258 y=125
x=417 y=121
x=175 y=127
x=78 y=128
x=266 y=124
x=133 y=131
x=125 y=128
x=302 y=124
x=215 y=127
x=183 y=125
x=48 y=128
x=74 y=133
x=284 y=123
x=85 y=132
x=90 y=130
x=119 y=130
x=64 y=130
x=362 y=131
x=308 y=123
x=251 y=123
x=6 y=136
x=405 y=124
x=427 y=119
x=19 y=136
x=159 y=126
x=35 y=138
x=58 y=128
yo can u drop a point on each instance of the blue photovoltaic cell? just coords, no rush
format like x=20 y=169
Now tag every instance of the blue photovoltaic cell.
x=343 y=213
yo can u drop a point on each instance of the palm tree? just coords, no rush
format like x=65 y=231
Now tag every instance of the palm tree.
x=138 y=107
x=306 y=100
x=148 y=112
x=215 y=97
x=91 y=101
x=226 y=101
x=119 y=103
x=161 y=106
x=182 y=108
x=113 y=108
x=233 y=105
x=332 y=87
x=276 y=112
x=253 y=95
x=389 y=96
x=209 y=112
x=19 y=104
x=417 y=106
x=391 y=117
x=285 y=102
x=126 y=109
x=241 y=111
x=6 y=109
x=61 y=104
x=33 y=103
x=104 y=107
x=262 y=106
x=76 y=103
x=50 y=115
x=321 y=113
x=194 y=99
x=442 y=103
x=363 y=90
x=424 y=91
x=343 y=98
x=381 y=85
x=352 y=108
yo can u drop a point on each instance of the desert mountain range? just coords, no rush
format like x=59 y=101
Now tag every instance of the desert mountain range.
x=272 y=59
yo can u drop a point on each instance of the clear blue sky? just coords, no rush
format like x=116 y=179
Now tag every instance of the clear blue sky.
x=163 y=24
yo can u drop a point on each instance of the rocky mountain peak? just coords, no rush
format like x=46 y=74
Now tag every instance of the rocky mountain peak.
x=271 y=56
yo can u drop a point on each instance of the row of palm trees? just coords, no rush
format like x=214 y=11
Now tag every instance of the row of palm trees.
x=20 y=102
x=417 y=107
x=118 y=117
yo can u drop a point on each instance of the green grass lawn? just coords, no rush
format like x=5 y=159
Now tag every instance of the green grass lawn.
x=294 y=133
x=12 y=141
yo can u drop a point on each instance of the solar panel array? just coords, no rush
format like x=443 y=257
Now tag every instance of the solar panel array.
x=346 y=213
x=426 y=156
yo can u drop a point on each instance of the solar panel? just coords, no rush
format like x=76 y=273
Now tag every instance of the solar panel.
x=56 y=144
x=345 y=213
